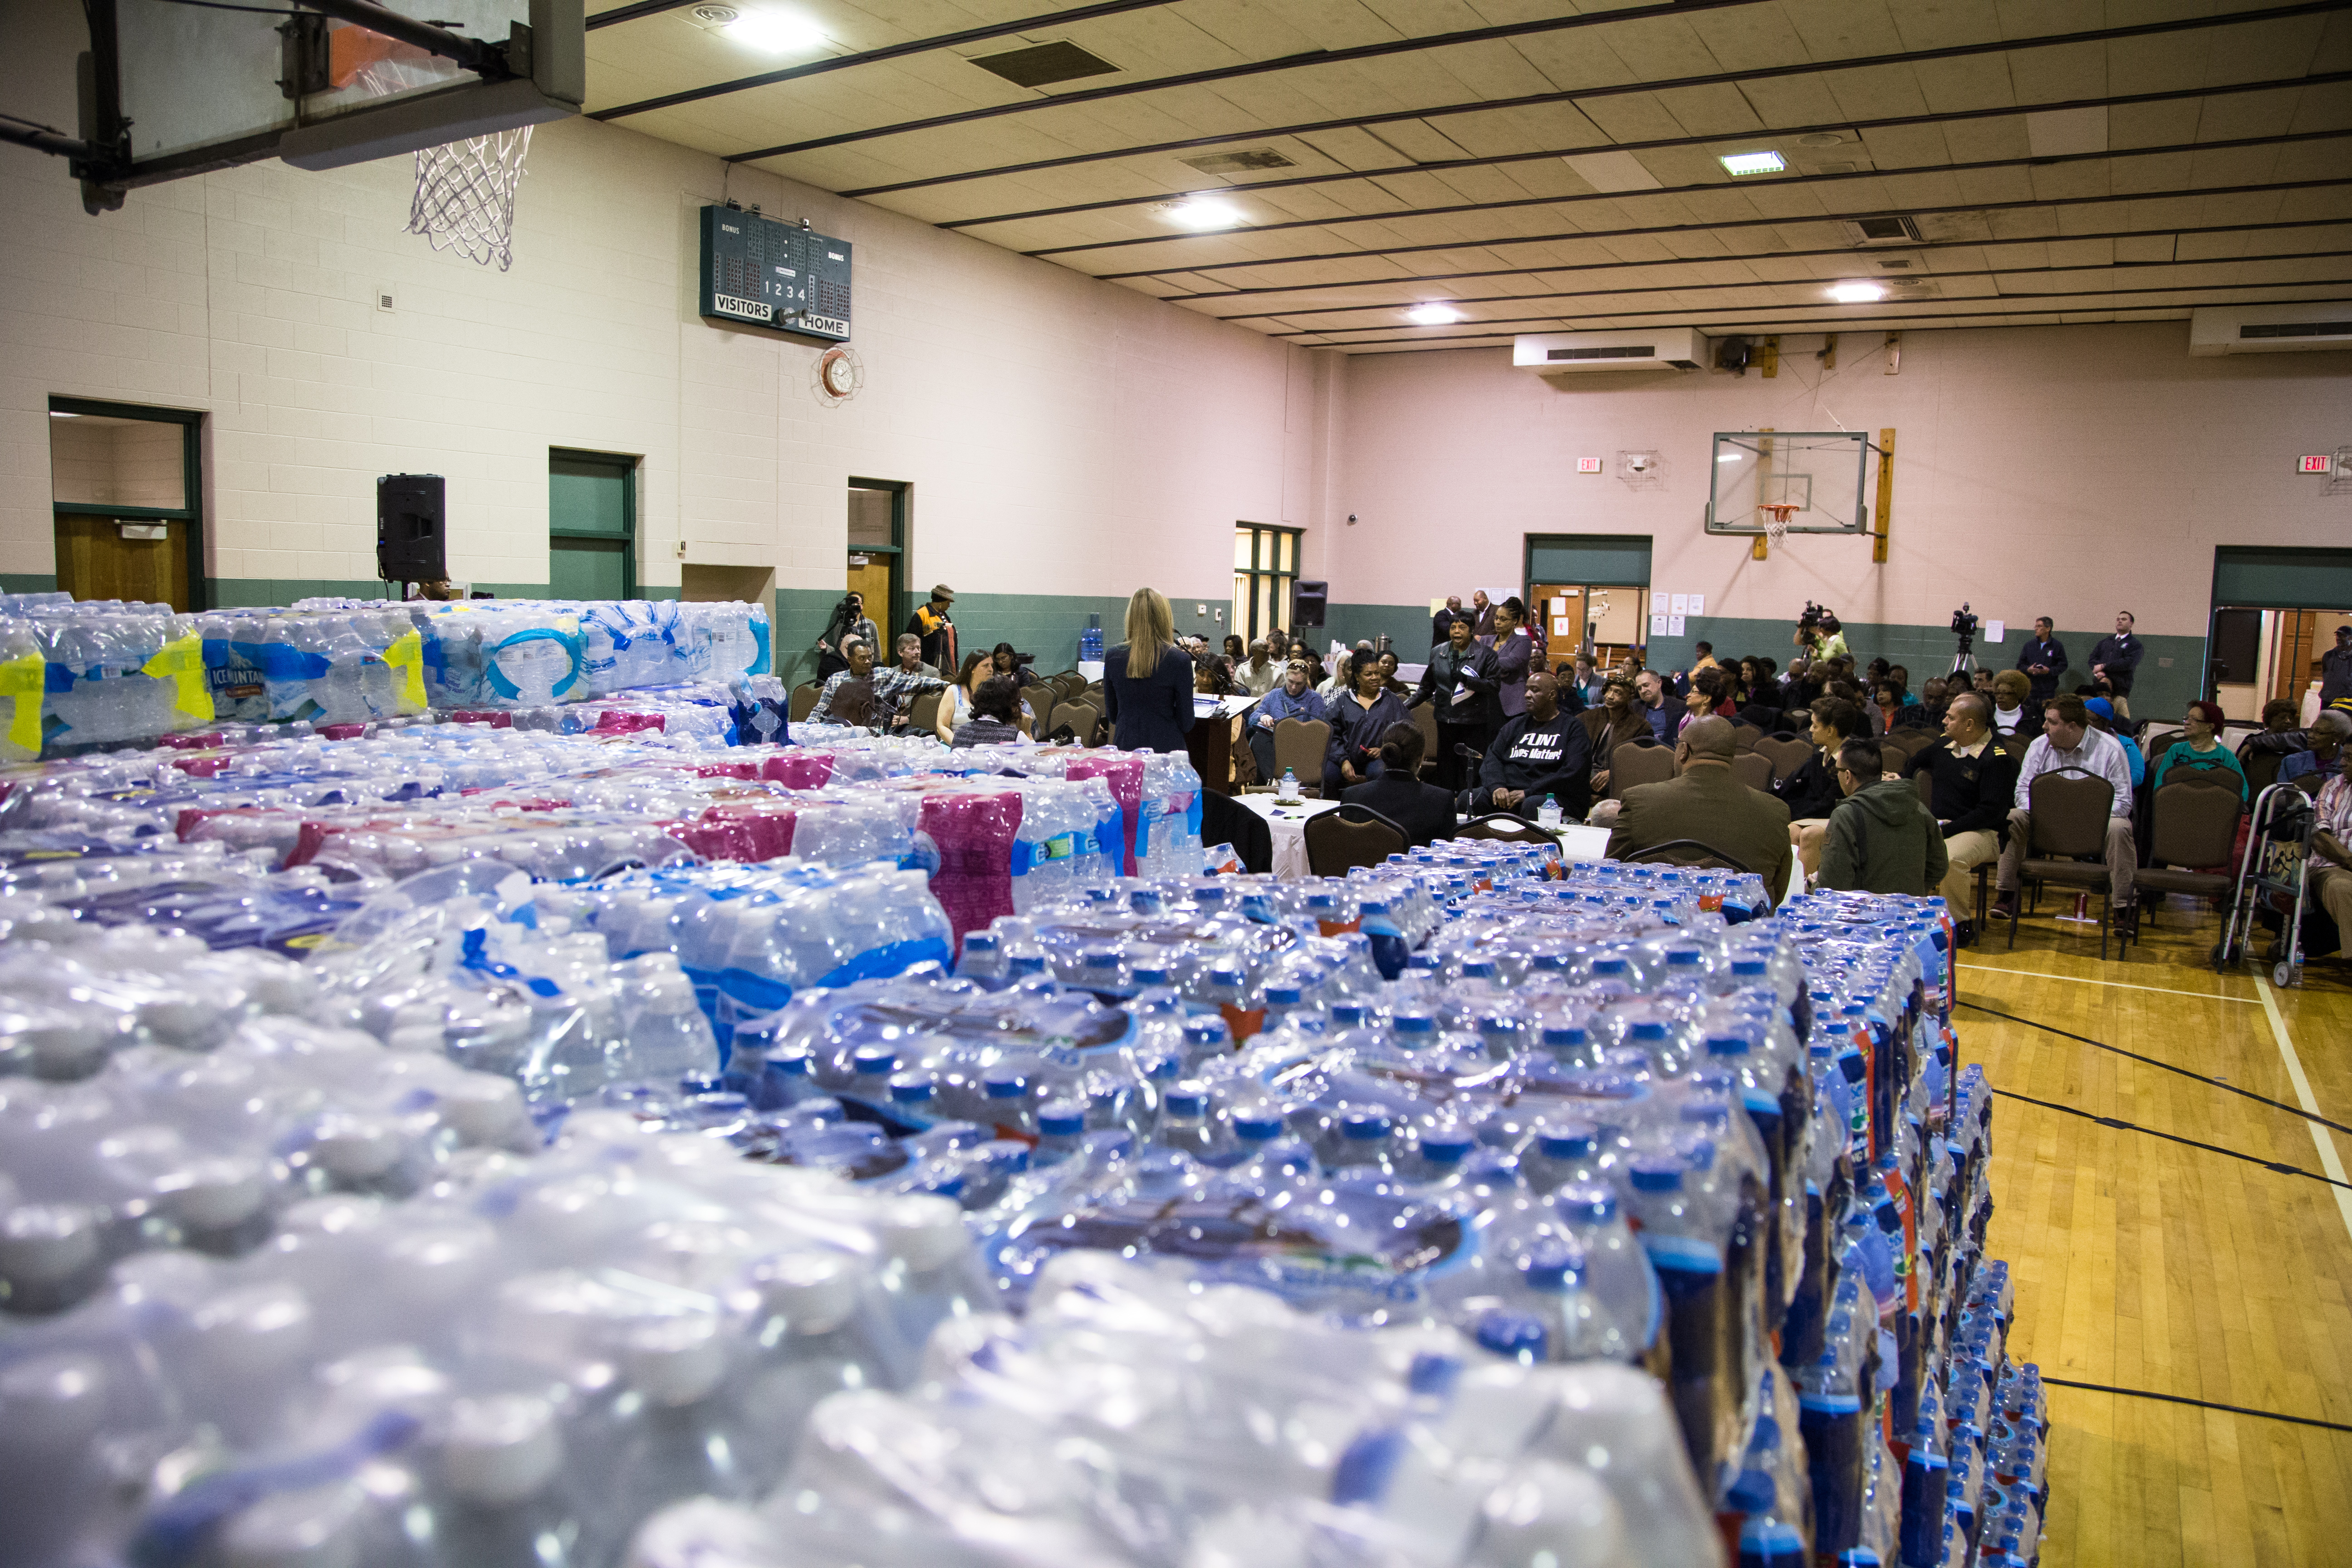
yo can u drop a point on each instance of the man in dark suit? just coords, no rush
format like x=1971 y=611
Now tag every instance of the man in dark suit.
x=1442 y=622
x=2044 y=659
x=1707 y=803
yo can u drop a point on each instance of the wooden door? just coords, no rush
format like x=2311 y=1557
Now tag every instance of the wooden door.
x=872 y=582
x=96 y=562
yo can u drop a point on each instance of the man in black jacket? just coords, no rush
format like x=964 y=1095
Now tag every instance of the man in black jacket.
x=2113 y=660
x=1973 y=783
x=2044 y=659
x=1462 y=679
x=1543 y=752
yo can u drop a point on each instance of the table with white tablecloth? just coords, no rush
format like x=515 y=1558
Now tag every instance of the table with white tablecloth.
x=1285 y=822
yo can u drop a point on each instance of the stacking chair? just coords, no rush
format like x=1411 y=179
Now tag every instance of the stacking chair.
x=2069 y=847
x=2196 y=824
x=1351 y=835
x=1744 y=737
x=923 y=713
x=1632 y=762
x=1691 y=852
x=1299 y=745
x=1753 y=769
x=1425 y=718
x=804 y=702
x=1925 y=785
x=1788 y=754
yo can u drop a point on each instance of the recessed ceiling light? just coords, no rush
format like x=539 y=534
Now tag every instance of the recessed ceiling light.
x=61 y=414
x=1737 y=164
x=1433 y=314
x=1860 y=293
x=775 y=32
x=1203 y=212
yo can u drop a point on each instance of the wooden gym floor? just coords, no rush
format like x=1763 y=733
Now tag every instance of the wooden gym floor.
x=2147 y=1265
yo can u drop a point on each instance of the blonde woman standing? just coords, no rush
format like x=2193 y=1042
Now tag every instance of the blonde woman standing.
x=1148 y=680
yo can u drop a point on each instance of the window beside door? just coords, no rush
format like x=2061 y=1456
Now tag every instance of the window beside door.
x=126 y=489
x=1266 y=575
x=592 y=525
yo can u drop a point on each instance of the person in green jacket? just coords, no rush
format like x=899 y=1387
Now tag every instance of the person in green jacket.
x=2200 y=748
x=1881 y=838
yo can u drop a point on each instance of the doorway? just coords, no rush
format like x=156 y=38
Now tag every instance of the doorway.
x=126 y=488
x=592 y=525
x=1590 y=593
x=2276 y=612
x=877 y=556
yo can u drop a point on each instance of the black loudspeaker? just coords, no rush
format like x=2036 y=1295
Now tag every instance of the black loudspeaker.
x=1306 y=602
x=408 y=529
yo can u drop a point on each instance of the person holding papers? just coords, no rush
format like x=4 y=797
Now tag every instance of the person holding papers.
x=1462 y=682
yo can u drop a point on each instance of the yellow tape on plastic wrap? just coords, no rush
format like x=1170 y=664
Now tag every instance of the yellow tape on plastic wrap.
x=182 y=663
x=406 y=657
x=22 y=682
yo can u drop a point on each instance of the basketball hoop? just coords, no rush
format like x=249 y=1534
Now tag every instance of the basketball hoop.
x=1773 y=514
x=465 y=196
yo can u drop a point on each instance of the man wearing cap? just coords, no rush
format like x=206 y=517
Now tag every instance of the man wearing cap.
x=1706 y=803
x=932 y=625
x=2103 y=717
x=2336 y=669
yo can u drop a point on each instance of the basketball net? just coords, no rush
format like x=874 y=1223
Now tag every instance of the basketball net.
x=1774 y=514
x=465 y=189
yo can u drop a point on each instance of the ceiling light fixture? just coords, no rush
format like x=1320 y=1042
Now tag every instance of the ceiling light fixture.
x=775 y=32
x=1203 y=212
x=1436 y=313
x=61 y=414
x=1858 y=293
x=1738 y=163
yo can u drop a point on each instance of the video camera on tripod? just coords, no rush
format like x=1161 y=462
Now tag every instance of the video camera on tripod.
x=1964 y=627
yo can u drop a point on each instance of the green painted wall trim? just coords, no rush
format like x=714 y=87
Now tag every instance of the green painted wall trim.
x=28 y=583
x=2262 y=578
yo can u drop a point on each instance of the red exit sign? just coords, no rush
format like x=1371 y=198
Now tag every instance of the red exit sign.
x=2322 y=464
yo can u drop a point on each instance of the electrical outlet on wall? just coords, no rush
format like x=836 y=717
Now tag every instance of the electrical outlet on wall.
x=1200 y=610
x=681 y=549
x=1221 y=615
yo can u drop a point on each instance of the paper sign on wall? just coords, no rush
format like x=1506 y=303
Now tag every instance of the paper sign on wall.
x=1678 y=603
x=1699 y=604
x=1561 y=626
x=1657 y=625
x=1674 y=625
x=1995 y=630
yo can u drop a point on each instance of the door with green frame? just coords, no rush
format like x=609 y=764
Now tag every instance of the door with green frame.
x=592 y=525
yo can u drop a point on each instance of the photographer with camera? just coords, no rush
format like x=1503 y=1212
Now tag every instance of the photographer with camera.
x=1820 y=635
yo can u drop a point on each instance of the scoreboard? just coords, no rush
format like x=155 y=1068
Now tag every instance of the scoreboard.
x=759 y=272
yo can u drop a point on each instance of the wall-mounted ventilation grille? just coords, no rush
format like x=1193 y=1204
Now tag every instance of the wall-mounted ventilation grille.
x=1043 y=65
x=1642 y=351
x=1238 y=162
x=2298 y=330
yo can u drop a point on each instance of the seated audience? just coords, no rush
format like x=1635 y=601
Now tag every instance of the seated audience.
x=2200 y=748
x=889 y=690
x=1294 y=699
x=1005 y=659
x=1261 y=674
x=1620 y=718
x=1662 y=716
x=1342 y=679
x=2068 y=740
x=1881 y=837
x=1424 y=811
x=1359 y=720
x=910 y=656
x=2330 y=872
x=1389 y=676
x=2103 y=717
x=1706 y=803
x=996 y=707
x=2010 y=714
x=1811 y=791
x=2280 y=715
x=1935 y=699
x=1895 y=707
x=2323 y=758
x=1544 y=751
x=1974 y=783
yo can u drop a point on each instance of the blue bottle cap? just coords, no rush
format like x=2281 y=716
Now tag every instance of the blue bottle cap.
x=1497 y=1024
x=1446 y=1147
x=1420 y=961
x=1681 y=958
x=1657 y=1175
x=1256 y=1126
x=1165 y=1069
x=1513 y=1334
x=793 y=1063
x=981 y=941
x=1587 y=1201
x=907 y=1090
x=1321 y=901
x=1564 y=1036
x=1609 y=968
x=1348 y=1014
x=1414 y=1024
x=1282 y=995
x=1727 y=1045
x=1550 y=1267
x=1747 y=968
x=1226 y=976
x=1150 y=976
x=1478 y=969
x=1102 y=958
x=1027 y=964
x=1188 y=1102
x=1061 y=1121
x=1647 y=1029
x=1005 y=1085
x=1363 y=1127
x=1205 y=1032
x=873 y=1060
x=697 y=1086
x=1568 y=1141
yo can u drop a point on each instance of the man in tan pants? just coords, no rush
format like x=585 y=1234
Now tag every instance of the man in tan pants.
x=1972 y=784
x=2330 y=872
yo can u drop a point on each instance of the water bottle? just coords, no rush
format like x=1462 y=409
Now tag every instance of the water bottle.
x=1061 y=1129
x=1547 y=814
x=1090 y=641
x=1288 y=793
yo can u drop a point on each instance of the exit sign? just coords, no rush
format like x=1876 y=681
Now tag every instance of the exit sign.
x=1588 y=465
x=2322 y=464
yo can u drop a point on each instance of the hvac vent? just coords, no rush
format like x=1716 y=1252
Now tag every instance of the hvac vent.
x=1887 y=230
x=1628 y=351
x=2296 y=330
x=1043 y=65
x=2310 y=327
x=1238 y=162
x=1846 y=167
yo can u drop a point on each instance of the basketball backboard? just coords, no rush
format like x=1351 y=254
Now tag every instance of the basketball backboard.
x=1814 y=479
x=170 y=90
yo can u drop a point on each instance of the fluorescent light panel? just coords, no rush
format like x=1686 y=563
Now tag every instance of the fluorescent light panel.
x=776 y=32
x=1435 y=313
x=1203 y=212
x=1738 y=163
x=1860 y=293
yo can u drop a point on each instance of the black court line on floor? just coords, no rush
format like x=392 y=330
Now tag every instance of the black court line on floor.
x=2281 y=1167
x=2050 y=1381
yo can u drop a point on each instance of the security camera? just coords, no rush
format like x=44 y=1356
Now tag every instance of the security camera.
x=1351 y=520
